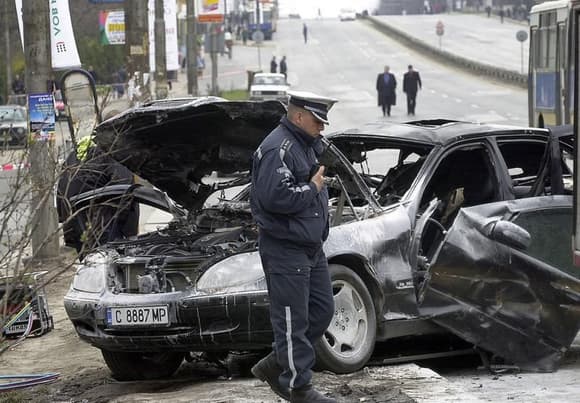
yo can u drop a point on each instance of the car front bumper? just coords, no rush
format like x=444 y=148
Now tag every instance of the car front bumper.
x=201 y=323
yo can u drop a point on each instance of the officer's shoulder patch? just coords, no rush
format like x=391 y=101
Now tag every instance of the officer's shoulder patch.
x=286 y=145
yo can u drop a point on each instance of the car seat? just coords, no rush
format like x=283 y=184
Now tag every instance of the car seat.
x=478 y=189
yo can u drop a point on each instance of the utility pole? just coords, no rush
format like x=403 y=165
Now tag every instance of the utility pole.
x=137 y=48
x=36 y=26
x=161 y=91
x=192 y=88
x=7 y=49
x=214 y=59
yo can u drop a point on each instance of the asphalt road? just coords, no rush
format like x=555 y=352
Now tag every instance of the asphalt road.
x=342 y=59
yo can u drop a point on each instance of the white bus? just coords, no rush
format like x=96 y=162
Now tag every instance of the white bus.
x=551 y=72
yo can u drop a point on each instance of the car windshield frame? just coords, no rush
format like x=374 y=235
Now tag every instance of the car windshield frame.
x=269 y=80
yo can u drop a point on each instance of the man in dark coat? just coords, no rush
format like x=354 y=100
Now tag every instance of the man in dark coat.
x=305 y=32
x=289 y=202
x=411 y=84
x=386 y=85
x=283 y=66
x=87 y=227
x=273 y=65
x=18 y=85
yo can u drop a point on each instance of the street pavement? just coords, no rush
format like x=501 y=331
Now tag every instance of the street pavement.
x=473 y=36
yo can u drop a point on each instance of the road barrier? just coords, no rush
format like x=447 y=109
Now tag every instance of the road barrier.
x=471 y=66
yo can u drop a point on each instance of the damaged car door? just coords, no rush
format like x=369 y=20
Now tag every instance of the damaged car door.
x=509 y=298
x=502 y=276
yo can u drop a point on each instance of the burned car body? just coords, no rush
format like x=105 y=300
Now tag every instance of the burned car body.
x=414 y=247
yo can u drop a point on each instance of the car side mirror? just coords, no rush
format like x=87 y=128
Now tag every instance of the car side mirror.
x=510 y=234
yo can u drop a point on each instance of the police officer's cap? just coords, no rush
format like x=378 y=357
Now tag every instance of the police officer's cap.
x=317 y=104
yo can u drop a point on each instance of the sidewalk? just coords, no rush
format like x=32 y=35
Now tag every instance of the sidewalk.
x=232 y=73
x=472 y=36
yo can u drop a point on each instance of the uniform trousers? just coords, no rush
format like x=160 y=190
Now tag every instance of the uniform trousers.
x=301 y=304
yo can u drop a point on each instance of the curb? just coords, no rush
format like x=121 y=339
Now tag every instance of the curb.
x=470 y=66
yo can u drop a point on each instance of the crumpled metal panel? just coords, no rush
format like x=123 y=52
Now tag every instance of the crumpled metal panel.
x=174 y=144
x=499 y=298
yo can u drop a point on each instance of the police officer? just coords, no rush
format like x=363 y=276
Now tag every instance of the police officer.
x=290 y=204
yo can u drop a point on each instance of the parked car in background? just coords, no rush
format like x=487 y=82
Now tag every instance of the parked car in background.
x=437 y=226
x=13 y=126
x=347 y=14
x=269 y=86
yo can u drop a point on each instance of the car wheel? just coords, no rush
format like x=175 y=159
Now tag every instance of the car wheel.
x=349 y=341
x=129 y=366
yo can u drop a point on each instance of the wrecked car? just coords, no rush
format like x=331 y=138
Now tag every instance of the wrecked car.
x=436 y=226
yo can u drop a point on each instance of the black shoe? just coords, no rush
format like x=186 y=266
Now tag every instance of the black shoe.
x=268 y=370
x=307 y=394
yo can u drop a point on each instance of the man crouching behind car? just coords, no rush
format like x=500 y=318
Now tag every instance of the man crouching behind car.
x=290 y=204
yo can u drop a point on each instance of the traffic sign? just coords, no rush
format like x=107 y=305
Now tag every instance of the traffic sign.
x=258 y=37
x=439 y=28
x=521 y=35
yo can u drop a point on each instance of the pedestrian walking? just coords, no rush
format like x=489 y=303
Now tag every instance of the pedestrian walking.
x=305 y=32
x=411 y=85
x=244 y=36
x=386 y=85
x=273 y=65
x=229 y=42
x=283 y=66
x=289 y=201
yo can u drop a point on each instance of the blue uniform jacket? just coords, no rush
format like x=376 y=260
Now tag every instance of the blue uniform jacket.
x=285 y=204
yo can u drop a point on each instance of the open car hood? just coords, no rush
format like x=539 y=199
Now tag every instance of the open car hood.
x=175 y=143
x=483 y=286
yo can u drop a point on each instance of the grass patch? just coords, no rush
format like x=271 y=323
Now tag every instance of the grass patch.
x=235 y=95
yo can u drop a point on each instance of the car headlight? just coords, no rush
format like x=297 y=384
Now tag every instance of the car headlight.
x=281 y=92
x=20 y=131
x=256 y=92
x=90 y=276
x=237 y=273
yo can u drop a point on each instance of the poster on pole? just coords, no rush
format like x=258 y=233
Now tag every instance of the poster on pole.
x=112 y=27
x=42 y=116
x=171 y=46
x=62 y=39
x=210 y=10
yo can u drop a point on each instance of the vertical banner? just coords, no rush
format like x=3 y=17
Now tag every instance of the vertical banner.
x=62 y=40
x=171 y=46
x=18 y=4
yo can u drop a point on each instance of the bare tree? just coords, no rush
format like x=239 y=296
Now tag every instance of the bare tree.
x=87 y=223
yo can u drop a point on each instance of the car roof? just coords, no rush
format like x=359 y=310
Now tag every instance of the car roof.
x=434 y=132
x=12 y=106
x=268 y=75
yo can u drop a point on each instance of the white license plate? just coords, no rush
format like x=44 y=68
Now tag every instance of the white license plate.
x=16 y=329
x=138 y=316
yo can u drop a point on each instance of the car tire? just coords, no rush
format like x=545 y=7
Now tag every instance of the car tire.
x=349 y=341
x=130 y=366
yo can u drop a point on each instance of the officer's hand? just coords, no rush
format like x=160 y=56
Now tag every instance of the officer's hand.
x=318 y=178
